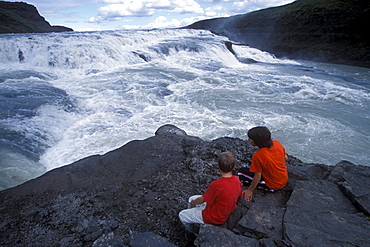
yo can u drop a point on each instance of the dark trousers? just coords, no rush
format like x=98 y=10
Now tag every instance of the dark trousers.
x=247 y=177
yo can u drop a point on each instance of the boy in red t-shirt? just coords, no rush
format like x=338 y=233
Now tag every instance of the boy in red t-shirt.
x=217 y=203
x=268 y=170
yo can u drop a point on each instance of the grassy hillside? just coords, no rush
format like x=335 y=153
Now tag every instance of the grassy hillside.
x=19 y=17
x=323 y=30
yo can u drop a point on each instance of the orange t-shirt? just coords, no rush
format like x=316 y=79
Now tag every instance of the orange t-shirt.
x=270 y=162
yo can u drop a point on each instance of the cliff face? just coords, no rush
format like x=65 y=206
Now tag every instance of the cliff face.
x=19 y=17
x=323 y=30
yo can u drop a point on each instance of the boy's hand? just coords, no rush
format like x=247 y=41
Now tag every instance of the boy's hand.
x=247 y=194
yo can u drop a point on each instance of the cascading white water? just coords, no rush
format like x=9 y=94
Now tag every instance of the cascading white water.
x=65 y=96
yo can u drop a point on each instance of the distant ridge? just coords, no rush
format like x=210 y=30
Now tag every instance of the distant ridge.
x=333 y=31
x=20 y=17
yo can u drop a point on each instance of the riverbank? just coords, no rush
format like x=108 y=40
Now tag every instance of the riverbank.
x=133 y=194
x=318 y=30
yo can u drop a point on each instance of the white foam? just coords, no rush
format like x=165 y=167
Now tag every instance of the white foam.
x=15 y=169
x=243 y=51
x=190 y=80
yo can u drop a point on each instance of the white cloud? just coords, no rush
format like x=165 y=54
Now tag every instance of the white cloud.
x=123 y=8
x=112 y=11
x=109 y=14
x=251 y=5
x=186 y=6
x=215 y=11
x=164 y=22
x=161 y=22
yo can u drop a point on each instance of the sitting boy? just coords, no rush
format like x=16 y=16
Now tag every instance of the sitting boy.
x=268 y=170
x=217 y=203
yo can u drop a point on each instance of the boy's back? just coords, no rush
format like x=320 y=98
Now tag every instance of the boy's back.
x=221 y=196
x=271 y=163
x=217 y=203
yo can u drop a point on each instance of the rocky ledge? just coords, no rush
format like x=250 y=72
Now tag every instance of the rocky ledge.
x=132 y=196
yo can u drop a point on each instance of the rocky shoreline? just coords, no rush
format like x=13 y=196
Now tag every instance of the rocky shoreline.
x=131 y=197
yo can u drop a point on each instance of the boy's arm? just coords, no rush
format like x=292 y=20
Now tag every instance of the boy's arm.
x=199 y=200
x=248 y=193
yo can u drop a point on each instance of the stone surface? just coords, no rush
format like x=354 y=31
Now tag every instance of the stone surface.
x=131 y=196
x=149 y=239
x=109 y=239
x=216 y=236
x=321 y=215
x=353 y=181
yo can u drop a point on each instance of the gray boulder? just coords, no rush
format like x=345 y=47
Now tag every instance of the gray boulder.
x=213 y=236
x=353 y=181
x=147 y=239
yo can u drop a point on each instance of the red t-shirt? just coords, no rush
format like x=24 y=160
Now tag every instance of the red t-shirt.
x=270 y=162
x=221 y=196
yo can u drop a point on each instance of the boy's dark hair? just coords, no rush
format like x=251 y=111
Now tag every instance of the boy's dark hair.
x=261 y=136
x=226 y=161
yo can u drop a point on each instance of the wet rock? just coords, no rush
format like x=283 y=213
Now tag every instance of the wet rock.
x=170 y=129
x=318 y=208
x=149 y=239
x=216 y=236
x=132 y=196
x=354 y=183
x=108 y=240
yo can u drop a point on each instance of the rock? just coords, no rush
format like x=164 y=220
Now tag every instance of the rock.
x=131 y=196
x=242 y=208
x=20 y=17
x=149 y=239
x=264 y=219
x=216 y=236
x=170 y=129
x=109 y=239
x=317 y=208
x=354 y=183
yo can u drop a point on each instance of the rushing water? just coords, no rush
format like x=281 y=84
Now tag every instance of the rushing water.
x=65 y=96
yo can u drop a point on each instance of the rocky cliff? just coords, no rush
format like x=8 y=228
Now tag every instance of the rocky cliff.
x=20 y=17
x=322 y=30
x=132 y=196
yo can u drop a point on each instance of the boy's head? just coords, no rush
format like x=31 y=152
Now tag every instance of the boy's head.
x=261 y=136
x=226 y=162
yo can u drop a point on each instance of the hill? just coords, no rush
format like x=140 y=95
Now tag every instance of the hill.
x=20 y=17
x=320 y=30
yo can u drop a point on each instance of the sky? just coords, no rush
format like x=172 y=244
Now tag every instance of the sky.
x=94 y=15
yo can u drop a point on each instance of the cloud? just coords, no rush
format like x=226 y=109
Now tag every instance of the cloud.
x=113 y=11
x=53 y=8
x=139 y=8
x=143 y=14
x=215 y=11
x=252 y=5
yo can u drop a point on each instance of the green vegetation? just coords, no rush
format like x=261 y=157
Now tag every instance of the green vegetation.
x=324 y=30
x=19 y=17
